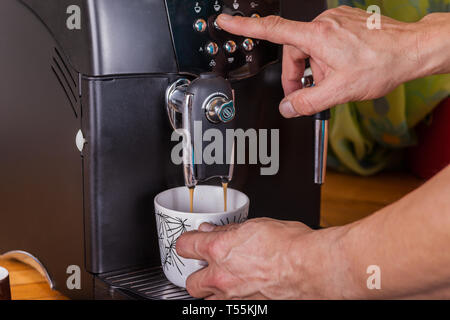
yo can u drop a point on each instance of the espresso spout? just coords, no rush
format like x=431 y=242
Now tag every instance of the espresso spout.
x=200 y=105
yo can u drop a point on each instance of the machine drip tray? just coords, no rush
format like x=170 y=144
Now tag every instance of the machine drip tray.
x=147 y=283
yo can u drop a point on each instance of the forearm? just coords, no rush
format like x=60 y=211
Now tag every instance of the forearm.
x=434 y=44
x=409 y=241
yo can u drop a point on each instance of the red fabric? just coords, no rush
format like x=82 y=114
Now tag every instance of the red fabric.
x=432 y=154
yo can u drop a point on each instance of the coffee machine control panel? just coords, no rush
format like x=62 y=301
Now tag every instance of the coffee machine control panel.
x=201 y=46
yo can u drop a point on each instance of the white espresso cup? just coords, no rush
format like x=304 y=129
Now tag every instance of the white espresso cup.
x=173 y=218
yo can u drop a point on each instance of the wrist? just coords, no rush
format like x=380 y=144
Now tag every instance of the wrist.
x=432 y=32
x=324 y=268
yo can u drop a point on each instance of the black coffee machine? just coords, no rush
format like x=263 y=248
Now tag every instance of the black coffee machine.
x=85 y=135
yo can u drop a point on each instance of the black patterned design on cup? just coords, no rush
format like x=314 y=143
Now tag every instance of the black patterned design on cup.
x=236 y=219
x=171 y=228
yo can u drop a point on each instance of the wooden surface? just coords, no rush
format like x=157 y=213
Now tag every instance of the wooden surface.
x=27 y=283
x=345 y=198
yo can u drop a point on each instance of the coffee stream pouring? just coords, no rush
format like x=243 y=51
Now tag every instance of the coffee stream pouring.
x=194 y=107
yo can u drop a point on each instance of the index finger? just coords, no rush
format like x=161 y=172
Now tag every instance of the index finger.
x=293 y=69
x=272 y=28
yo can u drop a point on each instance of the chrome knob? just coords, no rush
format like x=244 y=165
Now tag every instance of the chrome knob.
x=200 y=25
x=248 y=44
x=219 y=109
x=255 y=15
x=212 y=49
x=230 y=46
x=216 y=25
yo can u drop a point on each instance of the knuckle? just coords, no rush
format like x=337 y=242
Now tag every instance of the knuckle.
x=287 y=76
x=333 y=12
x=220 y=281
x=325 y=13
x=329 y=12
x=344 y=7
x=250 y=226
x=270 y=23
x=324 y=27
x=216 y=281
x=338 y=10
x=215 y=249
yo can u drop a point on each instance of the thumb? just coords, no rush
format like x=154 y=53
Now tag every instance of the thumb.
x=309 y=101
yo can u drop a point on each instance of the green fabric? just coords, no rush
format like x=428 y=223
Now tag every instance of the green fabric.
x=364 y=136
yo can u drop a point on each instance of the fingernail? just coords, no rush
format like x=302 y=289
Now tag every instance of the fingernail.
x=206 y=227
x=225 y=17
x=287 y=109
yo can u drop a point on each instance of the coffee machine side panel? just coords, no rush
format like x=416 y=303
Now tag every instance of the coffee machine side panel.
x=127 y=161
x=106 y=37
x=40 y=165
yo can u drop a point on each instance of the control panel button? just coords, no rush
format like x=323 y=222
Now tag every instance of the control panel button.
x=248 y=44
x=255 y=15
x=212 y=49
x=216 y=25
x=200 y=25
x=230 y=46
